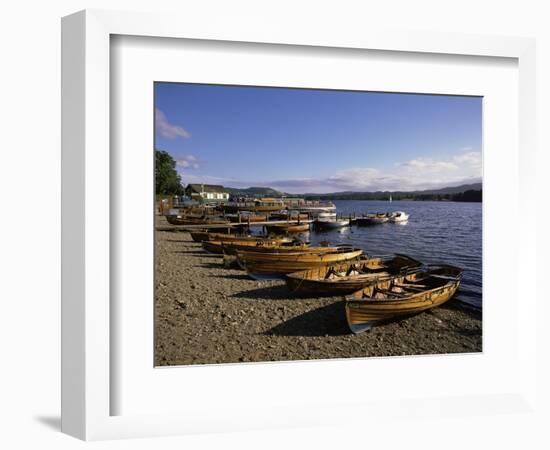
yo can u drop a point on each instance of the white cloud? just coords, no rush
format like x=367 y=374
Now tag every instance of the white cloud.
x=168 y=130
x=187 y=161
x=470 y=158
x=416 y=174
x=428 y=165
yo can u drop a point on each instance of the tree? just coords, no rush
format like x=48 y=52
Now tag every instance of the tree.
x=167 y=179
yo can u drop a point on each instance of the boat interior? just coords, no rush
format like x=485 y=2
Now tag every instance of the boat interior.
x=415 y=284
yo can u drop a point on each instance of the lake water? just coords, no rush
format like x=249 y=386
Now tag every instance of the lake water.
x=436 y=232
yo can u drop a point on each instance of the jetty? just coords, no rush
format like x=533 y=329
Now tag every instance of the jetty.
x=218 y=226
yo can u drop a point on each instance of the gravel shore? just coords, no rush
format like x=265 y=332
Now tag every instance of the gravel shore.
x=207 y=314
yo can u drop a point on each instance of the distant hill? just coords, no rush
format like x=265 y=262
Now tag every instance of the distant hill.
x=255 y=192
x=386 y=194
x=455 y=189
x=464 y=192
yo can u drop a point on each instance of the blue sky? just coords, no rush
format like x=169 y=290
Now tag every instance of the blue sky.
x=305 y=140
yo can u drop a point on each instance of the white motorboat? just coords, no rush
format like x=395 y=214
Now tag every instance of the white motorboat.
x=398 y=216
x=326 y=215
x=331 y=224
x=316 y=208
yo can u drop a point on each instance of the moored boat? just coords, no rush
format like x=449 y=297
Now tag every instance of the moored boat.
x=276 y=265
x=266 y=245
x=246 y=218
x=220 y=233
x=199 y=236
x=282 y=228
x=330 y=224
x=205 y=236
x=326 y=215
x=263 y=205
x=398 y=216
x=346 y=278
x=402 y=296
x=184 y=220
x=315 y=208
x=372 y=219
x=288 y=215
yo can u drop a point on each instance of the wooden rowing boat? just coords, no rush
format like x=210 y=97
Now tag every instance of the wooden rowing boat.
x=231 y=251
x=205 y=236
x=263 y=205
x=264 y=245
x=401 y=296
x=199 y=236
x=278 y=264
x=246 y=218
x=286 y=215
x=346 y=278
x=281 y=228
x=182 y=220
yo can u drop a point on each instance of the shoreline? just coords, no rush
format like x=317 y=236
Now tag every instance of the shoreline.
x=207 y=314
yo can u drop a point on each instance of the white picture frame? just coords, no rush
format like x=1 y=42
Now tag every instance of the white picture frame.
x=87 y=385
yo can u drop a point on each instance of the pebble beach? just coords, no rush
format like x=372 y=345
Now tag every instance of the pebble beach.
x=207 y=314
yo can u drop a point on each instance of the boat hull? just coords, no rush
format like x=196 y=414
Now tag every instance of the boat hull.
x=199 y=236
x=247 y=218
x=346 y=278
x=284 y=228
x=362 y=313
x=279 y=265
x=331 y=224
x=252 y=208
x=398 y=216
x=326 y=215
x=174 y=220
x=371 y=220
x=267 y=246
x=288 y=216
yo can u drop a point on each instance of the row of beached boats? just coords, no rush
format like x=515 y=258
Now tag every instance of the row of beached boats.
x=376 y=289
x=297 y=223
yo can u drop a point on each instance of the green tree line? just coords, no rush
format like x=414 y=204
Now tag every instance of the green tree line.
x=466 y=196
x=167 y=179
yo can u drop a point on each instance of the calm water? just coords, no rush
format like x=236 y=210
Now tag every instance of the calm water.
x=437 y=232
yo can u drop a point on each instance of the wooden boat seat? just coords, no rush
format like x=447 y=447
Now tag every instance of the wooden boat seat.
x=360 y=276
x=389 y=292
x=419 y=287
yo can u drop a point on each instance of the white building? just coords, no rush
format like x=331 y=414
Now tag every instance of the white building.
x=207 y=193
